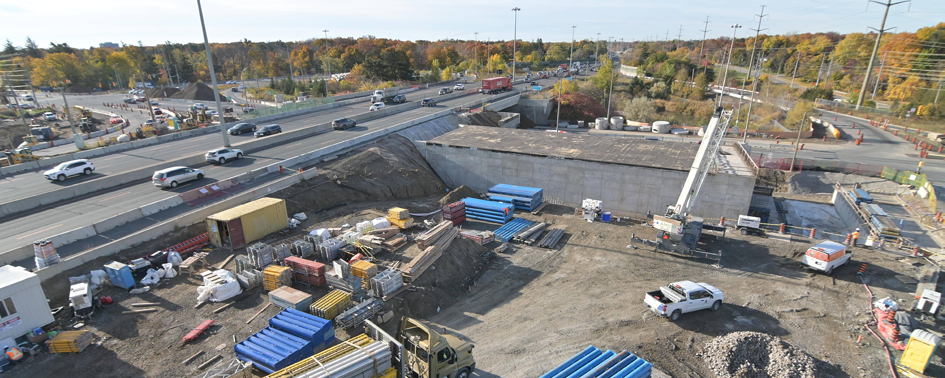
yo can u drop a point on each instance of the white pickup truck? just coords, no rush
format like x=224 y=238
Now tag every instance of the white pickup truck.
x=681 y=297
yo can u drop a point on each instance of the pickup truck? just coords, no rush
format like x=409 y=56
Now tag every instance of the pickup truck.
x=681 y=297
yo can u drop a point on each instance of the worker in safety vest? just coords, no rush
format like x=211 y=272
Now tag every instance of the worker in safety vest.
x=14 y=354
x=855 y=236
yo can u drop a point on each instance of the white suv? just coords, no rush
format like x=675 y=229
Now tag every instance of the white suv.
x=222 y=155
x=69 y=169
x=377 y=106
x=459 y=87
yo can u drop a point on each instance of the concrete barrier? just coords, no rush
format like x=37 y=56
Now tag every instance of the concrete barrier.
x=73 y=235
x=16 y=254
x=28 y=166
x=117 y=220
x=163 y=204
x=90 y=153
x=52 y=162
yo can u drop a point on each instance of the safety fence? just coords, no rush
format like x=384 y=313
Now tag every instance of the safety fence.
x=288 y=107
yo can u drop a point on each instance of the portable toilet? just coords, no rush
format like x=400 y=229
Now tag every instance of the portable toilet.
x=919 y=350
x=120 y=275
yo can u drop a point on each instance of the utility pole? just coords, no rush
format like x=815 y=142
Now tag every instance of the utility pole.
x=879 y=36
x=289 y=53
x=829 y=66
x=704 y=62
x=477 y=54
x=880 y=76
x=213 y=79
x=613 y=72
x=16 y=102
x=29 y=79
x=821 y=69
x=514 y=40
x=679 y=37
x=560 y=87
x=597 y=51
x=939 y=91
x=797 y=144
x=327 y=54
x=751 y=65
x=797 y=61
x=732 y=47
x=571 y=55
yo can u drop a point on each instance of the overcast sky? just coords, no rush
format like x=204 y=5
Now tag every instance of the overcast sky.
x=84 y=23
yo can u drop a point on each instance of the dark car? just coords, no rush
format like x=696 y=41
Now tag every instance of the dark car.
x=446 y=90
x=268 y=130
x=234 y=89
x=343 y=123
x=533 y=82
x=241 y=128
x=399 y=99
x=428 y=102
x=129 y=101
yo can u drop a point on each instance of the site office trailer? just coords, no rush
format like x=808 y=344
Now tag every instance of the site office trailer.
x=247 y=223
x=23 y=304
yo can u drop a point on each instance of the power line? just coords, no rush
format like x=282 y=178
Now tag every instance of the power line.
x=879 y=37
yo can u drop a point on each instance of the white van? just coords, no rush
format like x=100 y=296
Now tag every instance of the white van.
x=826 y=256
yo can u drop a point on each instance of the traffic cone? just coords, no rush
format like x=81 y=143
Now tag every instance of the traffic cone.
x=813 y=232
x=849 y=237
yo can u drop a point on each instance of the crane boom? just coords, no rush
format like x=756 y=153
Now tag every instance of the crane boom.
x=705 y=158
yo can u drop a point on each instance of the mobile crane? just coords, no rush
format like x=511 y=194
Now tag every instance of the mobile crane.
x=678 y=231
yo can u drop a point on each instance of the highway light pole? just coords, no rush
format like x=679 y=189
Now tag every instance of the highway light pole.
x=731 y=47
x=477 y=54
x=328 y=54
x=597 y=51
x=514 y=39
x=571 y=55
x=879 y=36
x=213 y=78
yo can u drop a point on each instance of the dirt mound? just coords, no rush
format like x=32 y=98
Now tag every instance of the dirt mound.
x=773 y=178
x=391 y=168
x=457 y=194
x=441 y=284
x=757 y=355
x=198 y=92
x=163 y=92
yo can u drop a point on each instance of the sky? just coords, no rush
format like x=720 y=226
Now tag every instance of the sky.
x=84 y=23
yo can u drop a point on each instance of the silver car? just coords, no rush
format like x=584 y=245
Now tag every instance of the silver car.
x=174 y=176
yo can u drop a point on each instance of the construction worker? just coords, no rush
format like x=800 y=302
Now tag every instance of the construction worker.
x=855 y=236
x=14 y=354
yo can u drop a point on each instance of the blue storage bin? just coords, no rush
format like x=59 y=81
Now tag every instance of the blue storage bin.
x=120 y=275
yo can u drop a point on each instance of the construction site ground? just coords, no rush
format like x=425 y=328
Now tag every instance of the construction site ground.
x=527 y=309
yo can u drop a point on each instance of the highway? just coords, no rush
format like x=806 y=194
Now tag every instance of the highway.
x=57 y=218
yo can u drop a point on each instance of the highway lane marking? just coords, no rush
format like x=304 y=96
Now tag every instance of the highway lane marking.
x=113 y=157
x=293 y=145
x=26 y=236
x=106 y=199
x=6 y=181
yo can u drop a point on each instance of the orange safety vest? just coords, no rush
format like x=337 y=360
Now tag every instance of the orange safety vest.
x=856 y=234
x=15 y=354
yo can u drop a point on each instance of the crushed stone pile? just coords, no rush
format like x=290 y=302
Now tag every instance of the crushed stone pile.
x=164 y=92
x=198 y=92
x=757 y=355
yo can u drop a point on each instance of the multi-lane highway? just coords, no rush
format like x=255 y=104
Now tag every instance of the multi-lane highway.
x=64 y=216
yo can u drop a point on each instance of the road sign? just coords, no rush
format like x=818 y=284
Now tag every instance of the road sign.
x=270 y=92
x=537 y=88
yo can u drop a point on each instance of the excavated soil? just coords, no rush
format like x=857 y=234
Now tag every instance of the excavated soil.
x=755 y=354
x=198 y=92
x=161 y=92
x=815 y=182
x=459 y=193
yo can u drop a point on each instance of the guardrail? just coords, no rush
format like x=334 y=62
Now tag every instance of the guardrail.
x=743 y=153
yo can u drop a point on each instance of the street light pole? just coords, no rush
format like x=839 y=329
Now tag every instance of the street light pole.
x=213 y=79
x=797 y=144
x=597 y=51
x=571 y=55
x=328 y=54
x=732 y=47
x=613 y=73
x=514 y=40
x=477 y=54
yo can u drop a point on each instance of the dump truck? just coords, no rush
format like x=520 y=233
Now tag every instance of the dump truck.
x=495 y=85
x=381 y=96
x=417 y=352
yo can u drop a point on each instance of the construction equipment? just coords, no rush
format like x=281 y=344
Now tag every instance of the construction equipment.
x=19 y=156
x=678 y=231
x=82 y=302
x=749 y=225
x=86 y=125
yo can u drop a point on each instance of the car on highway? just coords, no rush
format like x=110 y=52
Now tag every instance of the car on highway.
x=545 y=76
x=223 y=155
x=242 y=86
x=141 y=99
x=154 y=102
x=49 y=116
x=68 y=169
x=446 y=90
x=200 y=106
x=231 y=82
x=268 y=130
x=343 y=123
x=459 y=87
x=428 y=102
x=149 y=122
x=398 y=99
x=234 y=89
x=115 y=120
x=26 y=106
x=377 y=106
x=28 y=97
x=157 y=110
x=241 y=128
x=173 y=176
x=533 y=82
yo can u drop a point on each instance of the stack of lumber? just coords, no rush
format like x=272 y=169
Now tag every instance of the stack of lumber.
x=275 y=276
x=260 y=254
x=384 y=233
x=522 y=197
x=490 y=211
x=428 y=256
x=455 y=212
x=306 y=271
x=70 y=341
x=429 y=237
x=332 y=304
x=321 y=358
x=386 y=282
x=287 y=297
x=399 y=217
x=395 y=242
x=480 y=237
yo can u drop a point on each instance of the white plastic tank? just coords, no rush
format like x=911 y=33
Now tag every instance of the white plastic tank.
x=616 y=123
x=661 y=127
x=123 y=138
x=600 y=123
x=380 y=222
x=645 y=128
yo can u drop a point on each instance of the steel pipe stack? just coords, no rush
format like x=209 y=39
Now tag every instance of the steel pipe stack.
x=527 y=233
x=522 y=197
x=595 y=362
x=551 y=238
x=490 y=211
x=323 y=357
x=365 y=362
x=356 y=315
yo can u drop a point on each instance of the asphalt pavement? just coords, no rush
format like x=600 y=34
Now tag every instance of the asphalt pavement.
x=88 y=209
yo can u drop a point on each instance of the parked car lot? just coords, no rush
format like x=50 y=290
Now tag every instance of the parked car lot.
x=68 y=169
x=174 y=176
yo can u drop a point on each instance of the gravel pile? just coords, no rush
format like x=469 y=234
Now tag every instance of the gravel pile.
x=757 y=355
x=162 y=92
x=198 y=92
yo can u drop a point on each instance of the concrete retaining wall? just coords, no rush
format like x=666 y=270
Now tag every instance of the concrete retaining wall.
x=73 y=235
x=845 y=210
x=624 y=189
x=536 y=110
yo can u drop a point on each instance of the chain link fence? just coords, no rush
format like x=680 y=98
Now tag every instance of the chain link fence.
x=287 y=107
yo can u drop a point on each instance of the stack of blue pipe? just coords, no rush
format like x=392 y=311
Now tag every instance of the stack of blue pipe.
x=291 y=336
x=596 y=363
x=507 y=231
x=522 y=197
x=489 y=211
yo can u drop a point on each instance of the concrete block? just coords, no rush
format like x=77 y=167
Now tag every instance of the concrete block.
x=163 y=204
x=87 y=154
x=28 y=166
x=117 y=220
x=16 y=254
x=143 y=142
x=73 y=235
